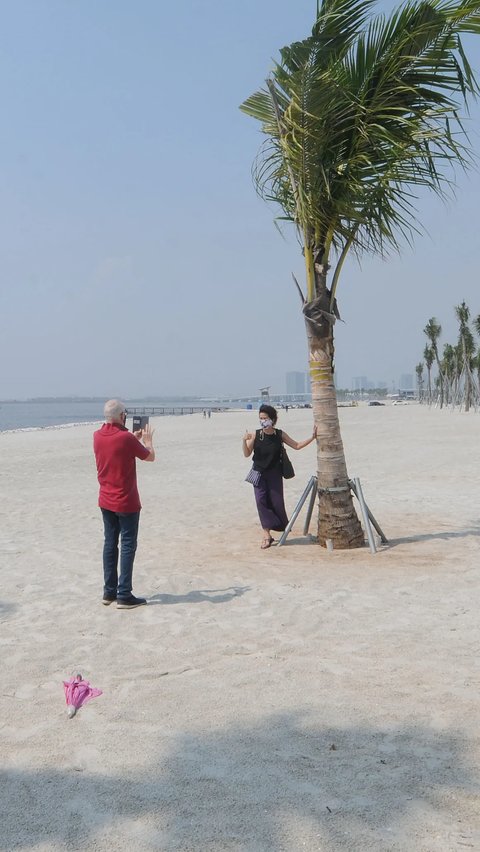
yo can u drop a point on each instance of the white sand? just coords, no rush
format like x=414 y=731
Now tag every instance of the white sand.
x=281 y=700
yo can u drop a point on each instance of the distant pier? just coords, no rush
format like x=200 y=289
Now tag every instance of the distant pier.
x=168 y=410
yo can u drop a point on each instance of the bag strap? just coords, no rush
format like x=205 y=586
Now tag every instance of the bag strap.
x=279 y=432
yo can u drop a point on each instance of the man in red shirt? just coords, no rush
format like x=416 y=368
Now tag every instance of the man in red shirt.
x=116 y=450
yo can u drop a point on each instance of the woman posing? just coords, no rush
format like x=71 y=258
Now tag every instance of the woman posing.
x=266 y=445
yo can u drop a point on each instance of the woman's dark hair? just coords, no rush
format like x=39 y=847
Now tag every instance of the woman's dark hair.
x=271 y=411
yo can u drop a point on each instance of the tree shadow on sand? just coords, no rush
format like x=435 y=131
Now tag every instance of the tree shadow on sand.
x=446 y=535
x=303 y=540
x=214 y=596
x=278 y=786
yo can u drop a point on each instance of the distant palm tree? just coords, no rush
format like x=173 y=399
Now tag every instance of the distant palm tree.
x=433 y=330
x=429 y=357
x=360 y=117
x=476 y=359
x=419 y=372
x=449 y=366
x=466 y=345
x=476 y=324
x=476 y=367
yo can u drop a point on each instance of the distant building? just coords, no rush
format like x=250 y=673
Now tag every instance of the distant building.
x=359 y=383
x=406 y=381
x=295 y=383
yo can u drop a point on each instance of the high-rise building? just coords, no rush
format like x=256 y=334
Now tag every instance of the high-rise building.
x=295 y=383
x=359 y=383
x=406 y=381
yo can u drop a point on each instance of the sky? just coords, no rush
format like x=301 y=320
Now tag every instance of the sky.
x=137 y=258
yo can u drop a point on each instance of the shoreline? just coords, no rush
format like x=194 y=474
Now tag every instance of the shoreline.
x=50 y=428
x=161 y=413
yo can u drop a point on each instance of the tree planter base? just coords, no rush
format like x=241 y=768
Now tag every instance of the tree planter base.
x=354 y=487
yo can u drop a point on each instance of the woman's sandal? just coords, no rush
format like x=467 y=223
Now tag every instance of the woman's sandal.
x=267 y=542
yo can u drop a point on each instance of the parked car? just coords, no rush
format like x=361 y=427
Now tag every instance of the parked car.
x=400 y=402
x=375 y=402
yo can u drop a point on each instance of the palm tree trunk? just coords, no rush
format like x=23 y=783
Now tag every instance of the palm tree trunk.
x=446 y=387
x=468 y=384
x=337 y=518
x=468 y=389
x=440 y=375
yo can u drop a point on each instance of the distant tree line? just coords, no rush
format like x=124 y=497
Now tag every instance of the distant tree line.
x=457 y=378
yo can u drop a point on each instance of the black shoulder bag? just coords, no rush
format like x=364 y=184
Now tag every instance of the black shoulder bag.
x=287 y=466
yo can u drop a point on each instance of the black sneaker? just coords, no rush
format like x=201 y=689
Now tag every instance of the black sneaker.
x=130 y=602
x=108 y=599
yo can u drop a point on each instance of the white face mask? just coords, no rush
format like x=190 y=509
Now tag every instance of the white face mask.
x=265 y=424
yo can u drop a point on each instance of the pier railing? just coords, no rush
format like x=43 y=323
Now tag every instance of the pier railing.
x=164 y=410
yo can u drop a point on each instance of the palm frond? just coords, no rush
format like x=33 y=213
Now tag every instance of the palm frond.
x=361 y=116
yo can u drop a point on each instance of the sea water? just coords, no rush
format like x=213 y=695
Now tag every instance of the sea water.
x=41 y=414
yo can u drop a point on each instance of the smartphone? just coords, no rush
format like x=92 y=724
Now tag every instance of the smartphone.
x=139 y=422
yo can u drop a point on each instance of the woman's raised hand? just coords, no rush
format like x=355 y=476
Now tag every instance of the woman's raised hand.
x=247 y=443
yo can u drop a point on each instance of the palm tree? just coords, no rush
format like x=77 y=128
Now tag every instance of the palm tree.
x=433 y=330
x=429 y=358
x=449 y=368
x=466 y=345
x=419 y=372
x=476 y=359
x=476 y=367
x=358 y=118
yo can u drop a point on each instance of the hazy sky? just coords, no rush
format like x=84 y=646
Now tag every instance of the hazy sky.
x=137 y=258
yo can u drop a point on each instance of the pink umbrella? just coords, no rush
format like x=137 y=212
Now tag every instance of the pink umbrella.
x=77 y=693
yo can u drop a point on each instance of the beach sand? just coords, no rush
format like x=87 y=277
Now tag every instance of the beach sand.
x=288 y=699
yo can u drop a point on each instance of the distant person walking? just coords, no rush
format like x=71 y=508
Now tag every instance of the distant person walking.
x=266 y=445
x=116 y=450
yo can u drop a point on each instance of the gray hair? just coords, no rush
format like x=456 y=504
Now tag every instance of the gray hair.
x=112 y=410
